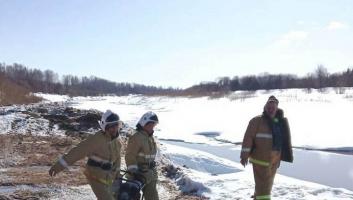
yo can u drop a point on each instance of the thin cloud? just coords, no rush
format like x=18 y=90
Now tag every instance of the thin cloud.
x=293 y=36
x=300 y=22
x=335 y=25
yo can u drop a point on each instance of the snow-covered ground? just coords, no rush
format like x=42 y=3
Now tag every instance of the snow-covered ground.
x=317 y=120
x=227 y=180
x=329 y=169
x=11 y=119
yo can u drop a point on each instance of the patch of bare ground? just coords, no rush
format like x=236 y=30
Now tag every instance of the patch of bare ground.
x=26 y=159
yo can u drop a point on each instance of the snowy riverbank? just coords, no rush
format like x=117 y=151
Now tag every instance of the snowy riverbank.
x=317 y=120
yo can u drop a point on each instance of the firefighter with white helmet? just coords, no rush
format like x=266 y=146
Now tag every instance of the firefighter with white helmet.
x=141 y=153
x=103 y=152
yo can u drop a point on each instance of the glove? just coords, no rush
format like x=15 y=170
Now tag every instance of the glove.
x=55 y=169
x=244 y=161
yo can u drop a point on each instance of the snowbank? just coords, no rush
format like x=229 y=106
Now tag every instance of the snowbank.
x=240 y=184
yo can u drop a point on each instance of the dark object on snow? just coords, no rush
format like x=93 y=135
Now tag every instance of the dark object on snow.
x=131 y=189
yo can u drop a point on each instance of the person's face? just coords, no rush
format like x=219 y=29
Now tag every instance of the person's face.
x=271 y=109
x=149 y=127
x=113 y=130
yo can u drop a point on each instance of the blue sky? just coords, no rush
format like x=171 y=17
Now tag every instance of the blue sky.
x=177 y=43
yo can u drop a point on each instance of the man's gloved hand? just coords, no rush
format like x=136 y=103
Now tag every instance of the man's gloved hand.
x=55 y=169
x=244 y=161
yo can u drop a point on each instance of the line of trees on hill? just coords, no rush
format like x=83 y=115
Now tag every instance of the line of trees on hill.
x=48 y=81
x=18 y=82
x=320 y=79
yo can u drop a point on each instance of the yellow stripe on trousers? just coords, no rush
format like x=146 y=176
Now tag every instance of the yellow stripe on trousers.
x=259 y=162
x=263 y=197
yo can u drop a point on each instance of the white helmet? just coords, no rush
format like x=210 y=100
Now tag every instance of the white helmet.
x=148 y=117
x=108 y=118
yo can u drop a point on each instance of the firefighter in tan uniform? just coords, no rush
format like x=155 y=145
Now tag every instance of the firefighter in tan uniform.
x=103 y=152
x=266 y=142
x=141 y=153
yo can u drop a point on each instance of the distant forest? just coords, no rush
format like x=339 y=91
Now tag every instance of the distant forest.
x=319 y=79
x=48 y=81
x=18 y=81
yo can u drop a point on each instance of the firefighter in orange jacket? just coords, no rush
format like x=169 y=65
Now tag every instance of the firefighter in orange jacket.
x=141 y=153
x=103 y=152
x=266 y=142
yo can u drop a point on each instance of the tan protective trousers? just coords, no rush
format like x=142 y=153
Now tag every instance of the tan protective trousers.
x=101 y=190
x=150 y=191
x=264 y=177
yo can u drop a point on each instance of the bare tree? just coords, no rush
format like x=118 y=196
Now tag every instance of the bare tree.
x=321 y=75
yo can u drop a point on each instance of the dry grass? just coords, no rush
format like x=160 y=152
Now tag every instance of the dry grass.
x=12 y=93
x=27 y=160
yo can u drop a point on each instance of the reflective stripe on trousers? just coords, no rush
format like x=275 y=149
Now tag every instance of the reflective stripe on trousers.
x=259 y=162
x=263 y=197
